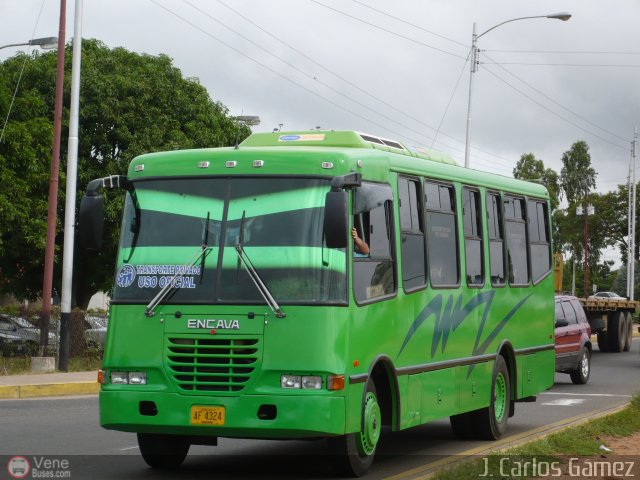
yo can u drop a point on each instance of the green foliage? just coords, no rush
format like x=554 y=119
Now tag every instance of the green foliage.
x=531 y=169
x=577 y=177
x=129 y=104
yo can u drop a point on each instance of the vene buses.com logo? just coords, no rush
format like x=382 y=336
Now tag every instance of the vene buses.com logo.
x=18 y=467
x=125 y=276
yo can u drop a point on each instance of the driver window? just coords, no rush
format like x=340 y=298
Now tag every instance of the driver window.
x=373 y=273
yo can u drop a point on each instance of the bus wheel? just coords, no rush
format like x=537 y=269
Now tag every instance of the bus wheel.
x=163 y=451
x=491 y=422
x=355 y=451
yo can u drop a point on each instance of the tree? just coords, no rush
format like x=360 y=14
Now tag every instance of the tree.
x=577 y=177
x=531 y=169
x=130 y=104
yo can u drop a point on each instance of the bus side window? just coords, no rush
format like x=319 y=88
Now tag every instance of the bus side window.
x=496 y=239
x=515 y=223
x=442 y=238
x=412 y=235
x=374 y=276
x=539 y=243
x=473 y=237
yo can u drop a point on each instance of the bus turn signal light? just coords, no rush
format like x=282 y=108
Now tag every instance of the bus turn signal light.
x=335 y=382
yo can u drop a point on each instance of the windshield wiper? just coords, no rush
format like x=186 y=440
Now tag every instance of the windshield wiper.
x=253 y=274
x=171 y=284
x=257 y=281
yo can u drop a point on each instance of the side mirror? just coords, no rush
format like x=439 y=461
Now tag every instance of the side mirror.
x=91 y=221
x=336 y=219
x=561 y=323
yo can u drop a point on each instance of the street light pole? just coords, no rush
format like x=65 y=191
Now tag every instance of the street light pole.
x=632 y=259
x=70 y=203
x=564 y=16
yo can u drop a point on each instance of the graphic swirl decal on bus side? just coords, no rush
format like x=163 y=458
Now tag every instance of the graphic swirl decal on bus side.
x=449 y=318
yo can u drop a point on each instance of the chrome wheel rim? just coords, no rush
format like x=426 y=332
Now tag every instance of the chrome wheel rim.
x=584 y=365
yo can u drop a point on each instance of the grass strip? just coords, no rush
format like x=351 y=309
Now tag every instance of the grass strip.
x=22 y=365
x=583 y=440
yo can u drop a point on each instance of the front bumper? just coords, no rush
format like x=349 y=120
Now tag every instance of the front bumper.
x=300 y=416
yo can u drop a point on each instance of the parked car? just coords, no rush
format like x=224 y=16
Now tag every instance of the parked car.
x=94 y=336
x=16 y=339
x=608 y=295
x=572 y=339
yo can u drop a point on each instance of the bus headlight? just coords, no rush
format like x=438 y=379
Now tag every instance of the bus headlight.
x=129 y=378
x=312 y=382
x=119 y=378
x=137 y=378
x=290 y=381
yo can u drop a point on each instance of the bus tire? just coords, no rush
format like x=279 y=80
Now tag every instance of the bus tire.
x=354 y=452
x=462 y=425
x=603 y=341
x=163 y=451
x=629 y=322
x=616 y=332
x=580 y=375
x=490 y=423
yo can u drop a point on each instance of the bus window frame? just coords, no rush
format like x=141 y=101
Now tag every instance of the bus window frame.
x=423 y=219
x=549 y=243
x=524 y=221
x=456 y=232
x=498 y=194
x=481 y=237
x=390 y=220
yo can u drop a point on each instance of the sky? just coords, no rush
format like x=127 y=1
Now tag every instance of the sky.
x=395 y=69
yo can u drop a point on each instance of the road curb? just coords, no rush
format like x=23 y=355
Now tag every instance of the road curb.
x=48 y=390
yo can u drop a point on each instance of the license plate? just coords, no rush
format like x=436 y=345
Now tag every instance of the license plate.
x=207 y=415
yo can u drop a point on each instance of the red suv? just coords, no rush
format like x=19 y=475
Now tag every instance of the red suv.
x=573 y=339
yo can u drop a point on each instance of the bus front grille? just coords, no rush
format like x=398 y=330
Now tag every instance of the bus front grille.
x=206 y=365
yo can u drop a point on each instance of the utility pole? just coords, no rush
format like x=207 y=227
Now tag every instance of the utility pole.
x=632 y=259
x=629 y=250
x=53 y=185
x=473 y=69
x=586 y=242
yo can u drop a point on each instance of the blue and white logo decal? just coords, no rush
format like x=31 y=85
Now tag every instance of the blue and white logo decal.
x=289 y=138
x=125 y=276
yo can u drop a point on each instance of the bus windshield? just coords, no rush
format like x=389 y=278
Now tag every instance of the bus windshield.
x=166 y=222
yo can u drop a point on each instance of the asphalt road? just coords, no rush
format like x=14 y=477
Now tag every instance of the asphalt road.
x=67 y=428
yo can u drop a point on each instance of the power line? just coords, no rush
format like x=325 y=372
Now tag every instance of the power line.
x=494 y=158
x=552 y=112
x=312 y=77
x=341 y=107
x=605 y=65
x=348 y=82
x=411 y=24
x=386 y=30
x=451 y=97
x=566 y=52
x=24 y=63
x=555 y=102
x=355 y=86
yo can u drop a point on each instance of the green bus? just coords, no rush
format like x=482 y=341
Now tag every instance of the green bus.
x=241 y=307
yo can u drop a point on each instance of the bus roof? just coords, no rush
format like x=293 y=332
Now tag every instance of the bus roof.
x=349 y=150
x=343 y=139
